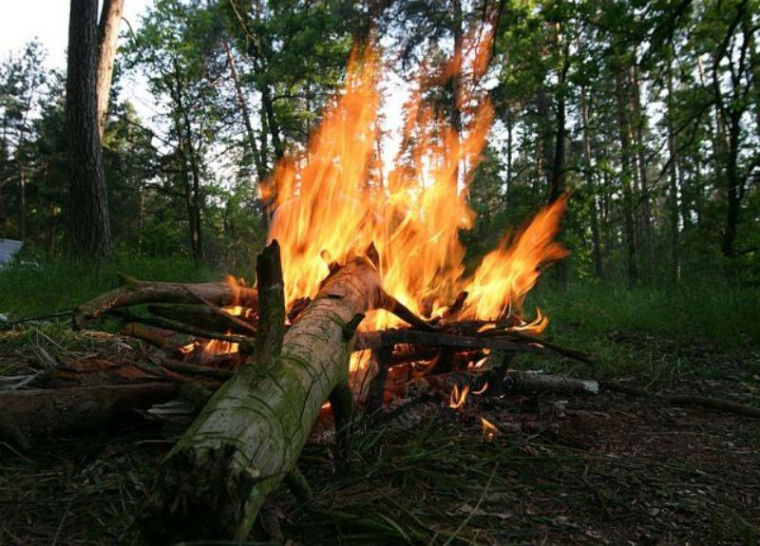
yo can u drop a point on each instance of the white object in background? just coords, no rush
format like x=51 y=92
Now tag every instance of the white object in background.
x=8 y=247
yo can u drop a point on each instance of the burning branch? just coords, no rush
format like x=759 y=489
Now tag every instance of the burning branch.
x=134 y=292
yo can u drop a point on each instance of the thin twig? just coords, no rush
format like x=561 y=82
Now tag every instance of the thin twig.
x=250 y=328
x=8 y=324
x=685 y=400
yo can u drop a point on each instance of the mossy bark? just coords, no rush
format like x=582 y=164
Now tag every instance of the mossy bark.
x=251 y=433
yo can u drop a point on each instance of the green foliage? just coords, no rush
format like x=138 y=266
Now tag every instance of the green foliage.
x=649 y=114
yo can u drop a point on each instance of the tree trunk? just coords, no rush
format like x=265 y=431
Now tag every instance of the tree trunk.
x=558 y=174
x=110 y=17
x=625 y=174
x=509 y=167
x=22 y=201
x=258 y=161
x=644 y=210
x=750 y=32
x=250 y=434
x=585 y=108
x=456 y=78
x=197 y=197
x=675 y=272
x=734 y=186
x=89 y=226
x=190 y=169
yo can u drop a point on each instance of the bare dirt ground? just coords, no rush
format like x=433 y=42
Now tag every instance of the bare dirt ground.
x=604 y=469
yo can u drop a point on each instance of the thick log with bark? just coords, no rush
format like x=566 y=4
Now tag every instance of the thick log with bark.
x=39 y=413
x=251 y=433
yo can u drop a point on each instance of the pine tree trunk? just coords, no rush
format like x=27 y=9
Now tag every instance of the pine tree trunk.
x=644 y=210
x=585 y=108
x=258 y=161
x=110 y=17
x=675 y=260
x=89 y=226
x=558 y=174
x=625 y=161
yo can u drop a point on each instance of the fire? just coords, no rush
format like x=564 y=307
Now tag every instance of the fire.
x=483 y=389
x=335 y=198
x=507 y=274
x=220 y=347
x=458 y=397
x=489 y=429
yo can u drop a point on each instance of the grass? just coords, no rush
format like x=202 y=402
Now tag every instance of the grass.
x=49 y=287
x=660 y=332
x=726 y=315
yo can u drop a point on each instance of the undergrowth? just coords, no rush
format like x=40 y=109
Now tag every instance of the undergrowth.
x=28 y=289
x=708 y=331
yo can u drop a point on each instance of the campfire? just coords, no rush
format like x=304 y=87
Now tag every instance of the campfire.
x=361 y=295
x=361 y=290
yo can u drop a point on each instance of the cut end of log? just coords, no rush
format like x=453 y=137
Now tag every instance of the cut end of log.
x=197 y=496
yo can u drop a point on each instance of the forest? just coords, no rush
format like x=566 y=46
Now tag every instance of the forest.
x=410 y=201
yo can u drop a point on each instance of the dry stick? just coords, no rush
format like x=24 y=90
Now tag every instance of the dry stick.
x=507 y=341
x=37 y=413
x=392 y=305
x=7 y=324
x=250 y=328
x=193 y=369
x=686 y=400
x=196 y=315
x=149 y=336
x=377 y=339
x=134 y=292
x=382 y=356
x=564 y=351
x=245 y=343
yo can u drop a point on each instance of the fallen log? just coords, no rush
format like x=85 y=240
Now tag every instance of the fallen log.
x=41 y=413
x=134 y=292
x=251 y=433
x=389 y=338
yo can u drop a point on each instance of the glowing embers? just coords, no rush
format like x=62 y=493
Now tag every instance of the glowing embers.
x=489 y=429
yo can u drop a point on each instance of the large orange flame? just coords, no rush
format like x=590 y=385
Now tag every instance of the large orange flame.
x=332 y=200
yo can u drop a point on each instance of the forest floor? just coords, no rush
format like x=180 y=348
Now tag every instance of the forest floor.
x=596 y=469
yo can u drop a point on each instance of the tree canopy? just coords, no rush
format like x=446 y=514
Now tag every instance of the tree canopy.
x=647 y=112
